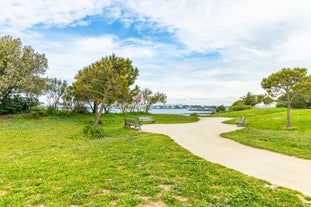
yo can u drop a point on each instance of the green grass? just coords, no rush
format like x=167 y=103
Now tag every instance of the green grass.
x=49 y=162
x=266 y=129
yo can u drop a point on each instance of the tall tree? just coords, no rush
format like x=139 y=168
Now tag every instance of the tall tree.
x=285 y=82
x=104 y=81
x=21 y=69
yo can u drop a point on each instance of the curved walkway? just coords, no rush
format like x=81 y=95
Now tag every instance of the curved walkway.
x=202 y=138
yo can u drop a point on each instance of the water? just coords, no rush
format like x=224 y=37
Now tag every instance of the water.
x=177 y=111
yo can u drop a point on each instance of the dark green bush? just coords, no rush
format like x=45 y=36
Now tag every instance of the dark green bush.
x=281 y=104
x=194 y=114
x=92 y=132
x=17 y=104
x=221 y=109
x=240 y=108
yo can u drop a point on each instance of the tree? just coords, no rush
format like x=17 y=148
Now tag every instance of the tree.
x=104 y=81
x=221 y=109
x=55 y=90
x=249 y=99
x=149 y=98
x=20 y=70
x=285 y=82
x=125 y=100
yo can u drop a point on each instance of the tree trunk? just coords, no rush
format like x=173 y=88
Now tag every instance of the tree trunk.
x=95 y=107
x=289 y=124
x=97 y=115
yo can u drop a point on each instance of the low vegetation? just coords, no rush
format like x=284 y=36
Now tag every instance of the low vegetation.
x=267 y=129
x=50 y=162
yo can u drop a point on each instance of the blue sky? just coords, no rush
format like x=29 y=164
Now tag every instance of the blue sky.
x=195 y=51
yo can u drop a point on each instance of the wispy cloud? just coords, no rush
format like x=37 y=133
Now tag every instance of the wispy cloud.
x=201 y=49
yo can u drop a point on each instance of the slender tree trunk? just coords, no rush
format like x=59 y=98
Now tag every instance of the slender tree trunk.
x=95 y=107
x=98 y=114
x=289 y=123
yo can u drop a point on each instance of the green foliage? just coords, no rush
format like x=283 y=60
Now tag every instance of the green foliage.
x=239 y=108
x=20 y=69
x=48 y=162
x=250 y=99
x=80 y=108
x=281 y=104
x=55 y=91
x=17 y=104
x=221 y=109
x=285 y=82
x=104 y=81
x=150 y=99
x=92 y=132
x=194 y=114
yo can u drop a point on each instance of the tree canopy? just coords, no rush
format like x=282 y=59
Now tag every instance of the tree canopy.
x=288 y=82
x=20 y=69
x=104 y=81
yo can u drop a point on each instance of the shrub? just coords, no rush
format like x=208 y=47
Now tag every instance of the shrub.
x=281 y=104
x=240 y=108
x=221 y=109
x=17 y=104
x=92 y=132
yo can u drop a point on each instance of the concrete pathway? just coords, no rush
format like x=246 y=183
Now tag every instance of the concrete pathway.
x=203 y=139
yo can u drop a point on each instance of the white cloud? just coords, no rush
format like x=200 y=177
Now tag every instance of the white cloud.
x=253 y=39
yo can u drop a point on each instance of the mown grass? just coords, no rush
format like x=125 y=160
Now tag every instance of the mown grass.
x=266 y=129
x=49 y=162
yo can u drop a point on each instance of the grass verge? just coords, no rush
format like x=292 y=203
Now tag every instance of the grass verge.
x=48 y=162
x=265 y=129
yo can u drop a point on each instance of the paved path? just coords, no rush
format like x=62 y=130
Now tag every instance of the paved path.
x=203 y=139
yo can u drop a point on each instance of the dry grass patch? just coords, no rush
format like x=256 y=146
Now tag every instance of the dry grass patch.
x=155 y=204
x=181 y=199
x=105 y=191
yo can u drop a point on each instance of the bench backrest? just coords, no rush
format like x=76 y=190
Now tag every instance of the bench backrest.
x=130 y=121
x=243 y=119
x=145 y=118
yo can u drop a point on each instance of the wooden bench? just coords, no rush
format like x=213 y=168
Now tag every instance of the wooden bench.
x=131 y=123
x=142 y=119
x=241 y=123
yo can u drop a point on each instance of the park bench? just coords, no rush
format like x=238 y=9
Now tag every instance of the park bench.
x=131 y=123
x=241 y=123
x=142 y=119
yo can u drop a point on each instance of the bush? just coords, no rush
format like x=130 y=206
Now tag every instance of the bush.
x=17 y=104
x=240 y=108
x=221 y=109
x=281 y=104
x=81 y=109
x=38 y=111
x=194 y=114
x=92 y=132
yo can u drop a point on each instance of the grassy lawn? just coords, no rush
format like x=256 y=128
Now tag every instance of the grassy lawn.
x=266 y=129
x=49 y=162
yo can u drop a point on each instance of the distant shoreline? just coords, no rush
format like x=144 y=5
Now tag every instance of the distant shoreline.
x=185 y=112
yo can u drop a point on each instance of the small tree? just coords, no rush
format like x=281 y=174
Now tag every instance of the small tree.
x=221 y=109
x=104 y=81
x=55 y=91
x=149 y=98
x=285 y=82
x=249 y=99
